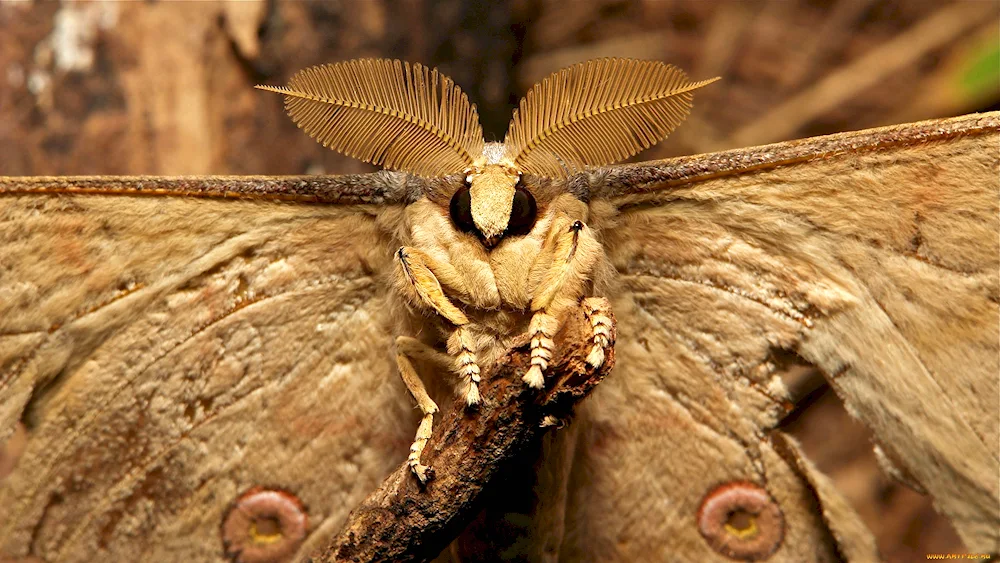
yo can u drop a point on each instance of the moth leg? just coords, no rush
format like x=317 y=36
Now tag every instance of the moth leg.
x=574 y=252
x=406 y=348
x=597 y=309
x=461 y=346
x=542 y=328
x=416 y=267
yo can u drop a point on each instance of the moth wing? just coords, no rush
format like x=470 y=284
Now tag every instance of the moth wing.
x=167 y=353
x=873 y=255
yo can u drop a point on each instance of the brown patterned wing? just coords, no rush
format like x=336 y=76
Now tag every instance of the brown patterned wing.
x=874 y=256
x=166 y=354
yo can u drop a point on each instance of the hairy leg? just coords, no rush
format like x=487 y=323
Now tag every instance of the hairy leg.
x=407 y=350
x=574 y=252
x=597 y=310
x=417 y=269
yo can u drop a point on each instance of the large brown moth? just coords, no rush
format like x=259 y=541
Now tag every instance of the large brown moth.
x=169 y=346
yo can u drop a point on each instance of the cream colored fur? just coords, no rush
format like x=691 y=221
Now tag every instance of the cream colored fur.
x=495 y=289
x=492 y=193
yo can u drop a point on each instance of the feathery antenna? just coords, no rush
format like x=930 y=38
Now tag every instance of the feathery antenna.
x=386 y=112
x=597 y=113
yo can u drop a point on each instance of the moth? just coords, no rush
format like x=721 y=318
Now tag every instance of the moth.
x=516 y=263
x=201 y=368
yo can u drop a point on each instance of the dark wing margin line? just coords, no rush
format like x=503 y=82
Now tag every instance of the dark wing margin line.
x=646 y=178
x=375 y=188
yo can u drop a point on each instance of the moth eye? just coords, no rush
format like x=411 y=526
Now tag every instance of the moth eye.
x=522 y=213
x=461 y=210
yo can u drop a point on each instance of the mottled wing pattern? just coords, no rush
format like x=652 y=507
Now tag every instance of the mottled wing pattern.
x=874 y=256
x=166 y=354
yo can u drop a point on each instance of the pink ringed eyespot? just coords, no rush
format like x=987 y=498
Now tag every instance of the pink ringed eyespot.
x=264 y=526
x=741 y=521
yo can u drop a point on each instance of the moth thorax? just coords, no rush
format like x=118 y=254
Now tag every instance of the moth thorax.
x=492 y=190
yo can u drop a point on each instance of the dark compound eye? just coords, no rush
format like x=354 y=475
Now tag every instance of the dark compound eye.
x=461 y=210
x=522 y=214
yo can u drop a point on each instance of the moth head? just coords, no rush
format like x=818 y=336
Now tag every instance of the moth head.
x=411 y=118
x=492 y=204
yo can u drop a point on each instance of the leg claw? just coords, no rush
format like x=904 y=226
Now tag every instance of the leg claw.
x=472 y=396
x=596 y=357
x=423 y=473
x=534 y=377
x=550 y=420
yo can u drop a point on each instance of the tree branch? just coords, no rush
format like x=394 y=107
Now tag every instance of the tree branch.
x=469 y=448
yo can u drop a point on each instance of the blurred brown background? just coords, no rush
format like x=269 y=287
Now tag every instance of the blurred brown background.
x=165 y=88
